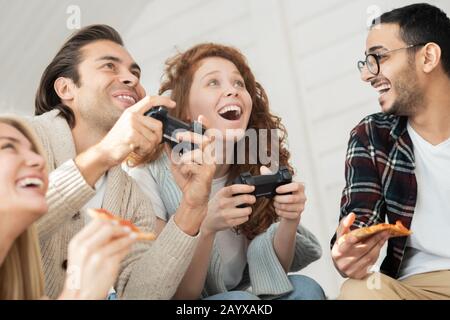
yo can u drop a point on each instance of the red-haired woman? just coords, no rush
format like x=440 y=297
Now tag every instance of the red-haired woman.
x=243 y=253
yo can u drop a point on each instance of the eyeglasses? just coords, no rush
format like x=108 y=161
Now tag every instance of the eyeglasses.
x=372 y=60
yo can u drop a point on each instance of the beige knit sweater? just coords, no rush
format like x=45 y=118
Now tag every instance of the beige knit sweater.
x=153 y=270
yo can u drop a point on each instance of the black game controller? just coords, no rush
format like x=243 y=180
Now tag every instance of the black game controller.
x=265 y=185
x=172 y=125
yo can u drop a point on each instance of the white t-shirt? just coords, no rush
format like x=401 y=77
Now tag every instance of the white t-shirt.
x=232 y=247
x=97 y=200
x=428 y=248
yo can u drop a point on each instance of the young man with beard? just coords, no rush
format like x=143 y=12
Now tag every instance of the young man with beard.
x=398 y=162
x=89 y=108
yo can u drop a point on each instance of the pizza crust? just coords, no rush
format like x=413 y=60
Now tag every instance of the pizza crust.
x=133 y=160
x=106 y=215
x=395 y=230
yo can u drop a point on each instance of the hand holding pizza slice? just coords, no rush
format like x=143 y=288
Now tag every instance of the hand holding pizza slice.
x=395 y=230
x=106 y=215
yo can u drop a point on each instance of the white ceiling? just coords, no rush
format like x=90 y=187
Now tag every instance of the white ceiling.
x=32 y=31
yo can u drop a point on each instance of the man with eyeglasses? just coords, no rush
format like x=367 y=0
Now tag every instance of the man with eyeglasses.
x=398 y=162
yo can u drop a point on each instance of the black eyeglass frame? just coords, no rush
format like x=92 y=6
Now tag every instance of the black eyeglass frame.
x=377 y=56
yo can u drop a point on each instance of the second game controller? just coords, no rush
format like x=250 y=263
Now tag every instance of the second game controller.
x=265 y=185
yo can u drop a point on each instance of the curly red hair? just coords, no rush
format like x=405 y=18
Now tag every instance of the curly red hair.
x=177 y=80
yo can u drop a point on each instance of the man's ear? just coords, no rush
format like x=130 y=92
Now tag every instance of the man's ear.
x=64 y=88
x=431 y=57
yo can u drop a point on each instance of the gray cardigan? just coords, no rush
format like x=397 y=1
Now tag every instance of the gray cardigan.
x=264 y=273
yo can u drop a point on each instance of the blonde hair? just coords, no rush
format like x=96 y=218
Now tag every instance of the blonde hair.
x=21 y=275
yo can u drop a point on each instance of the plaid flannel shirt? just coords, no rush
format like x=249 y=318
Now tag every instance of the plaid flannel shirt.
x=380 y=180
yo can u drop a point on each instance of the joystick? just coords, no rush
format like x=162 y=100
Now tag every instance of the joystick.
x=172 y=125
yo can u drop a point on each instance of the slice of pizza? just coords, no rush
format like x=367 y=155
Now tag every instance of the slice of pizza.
x=395 y=230
x=106 y=215
x=133 y=160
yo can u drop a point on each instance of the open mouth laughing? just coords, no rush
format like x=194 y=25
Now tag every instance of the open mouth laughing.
x=125 y=97
x=230 y=112
x=382 y=87
x=31 y=184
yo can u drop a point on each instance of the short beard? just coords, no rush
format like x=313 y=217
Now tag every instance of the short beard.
x=409 y=94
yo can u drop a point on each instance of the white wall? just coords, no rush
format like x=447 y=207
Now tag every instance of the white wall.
x=303 y=52
x=31 y=32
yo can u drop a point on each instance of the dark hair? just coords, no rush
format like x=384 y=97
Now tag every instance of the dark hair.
x=65 y=64
x=422 y=23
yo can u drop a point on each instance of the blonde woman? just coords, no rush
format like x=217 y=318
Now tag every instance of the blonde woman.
x=94 y=254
